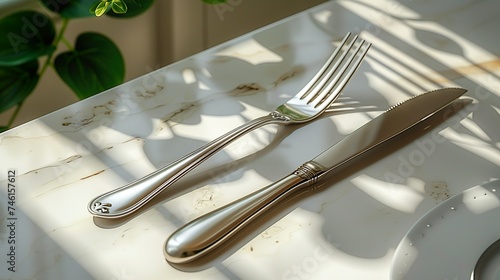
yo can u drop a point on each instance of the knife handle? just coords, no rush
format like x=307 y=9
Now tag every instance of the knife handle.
x=205 y=233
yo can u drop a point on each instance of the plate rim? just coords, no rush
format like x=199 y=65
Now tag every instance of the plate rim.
x=395 y=270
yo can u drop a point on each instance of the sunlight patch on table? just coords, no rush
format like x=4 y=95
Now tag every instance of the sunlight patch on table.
x=481 y=201
x=473 y=145
x=252 y=52
x=323 y=16
x=396 y=196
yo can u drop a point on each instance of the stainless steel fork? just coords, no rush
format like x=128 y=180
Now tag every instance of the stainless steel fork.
x=305 y=106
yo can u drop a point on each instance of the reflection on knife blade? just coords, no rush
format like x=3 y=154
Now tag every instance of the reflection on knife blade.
x=206 y=233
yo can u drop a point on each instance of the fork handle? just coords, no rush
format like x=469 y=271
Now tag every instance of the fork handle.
x=207 y=232
x=131 y=197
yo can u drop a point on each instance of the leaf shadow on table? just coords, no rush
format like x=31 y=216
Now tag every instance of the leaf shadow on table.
x=214 y=171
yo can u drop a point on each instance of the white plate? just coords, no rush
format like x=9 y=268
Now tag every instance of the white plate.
x=447 y=242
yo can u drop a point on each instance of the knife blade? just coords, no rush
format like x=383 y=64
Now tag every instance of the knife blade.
x=204 y=234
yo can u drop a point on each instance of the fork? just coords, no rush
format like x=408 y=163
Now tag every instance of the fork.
x=306 y=105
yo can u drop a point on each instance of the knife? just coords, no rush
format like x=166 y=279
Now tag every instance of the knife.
x=204 y=234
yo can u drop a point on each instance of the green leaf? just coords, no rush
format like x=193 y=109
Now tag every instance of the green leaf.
x=26 y=35
x=101 y=8
x=214 y=1
x=70 y=8
x=95 y=65
x=119 y=7
x=134 y=8
x=16 y=83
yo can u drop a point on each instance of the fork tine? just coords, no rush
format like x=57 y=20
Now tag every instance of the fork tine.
x=306 y=90
x=332 y=90
x=328 y=72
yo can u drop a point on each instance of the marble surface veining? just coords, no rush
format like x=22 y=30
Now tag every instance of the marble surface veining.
x=348 y=229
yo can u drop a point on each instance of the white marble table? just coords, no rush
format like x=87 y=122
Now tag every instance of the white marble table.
x=347 y=230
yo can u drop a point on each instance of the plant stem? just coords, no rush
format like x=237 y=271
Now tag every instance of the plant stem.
x=14 y=115
x=67 y=43
x=57 y=40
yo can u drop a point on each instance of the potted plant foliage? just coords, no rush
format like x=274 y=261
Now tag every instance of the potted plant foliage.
x=91 y=64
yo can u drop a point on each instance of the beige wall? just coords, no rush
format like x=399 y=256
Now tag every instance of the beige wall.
x=169 y=31
x=195 y=26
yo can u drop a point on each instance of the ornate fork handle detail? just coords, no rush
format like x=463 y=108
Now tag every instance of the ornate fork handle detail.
x=102 y=207
x=279 y=117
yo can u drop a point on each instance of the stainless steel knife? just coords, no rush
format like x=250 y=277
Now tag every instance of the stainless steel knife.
x=206 y=233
